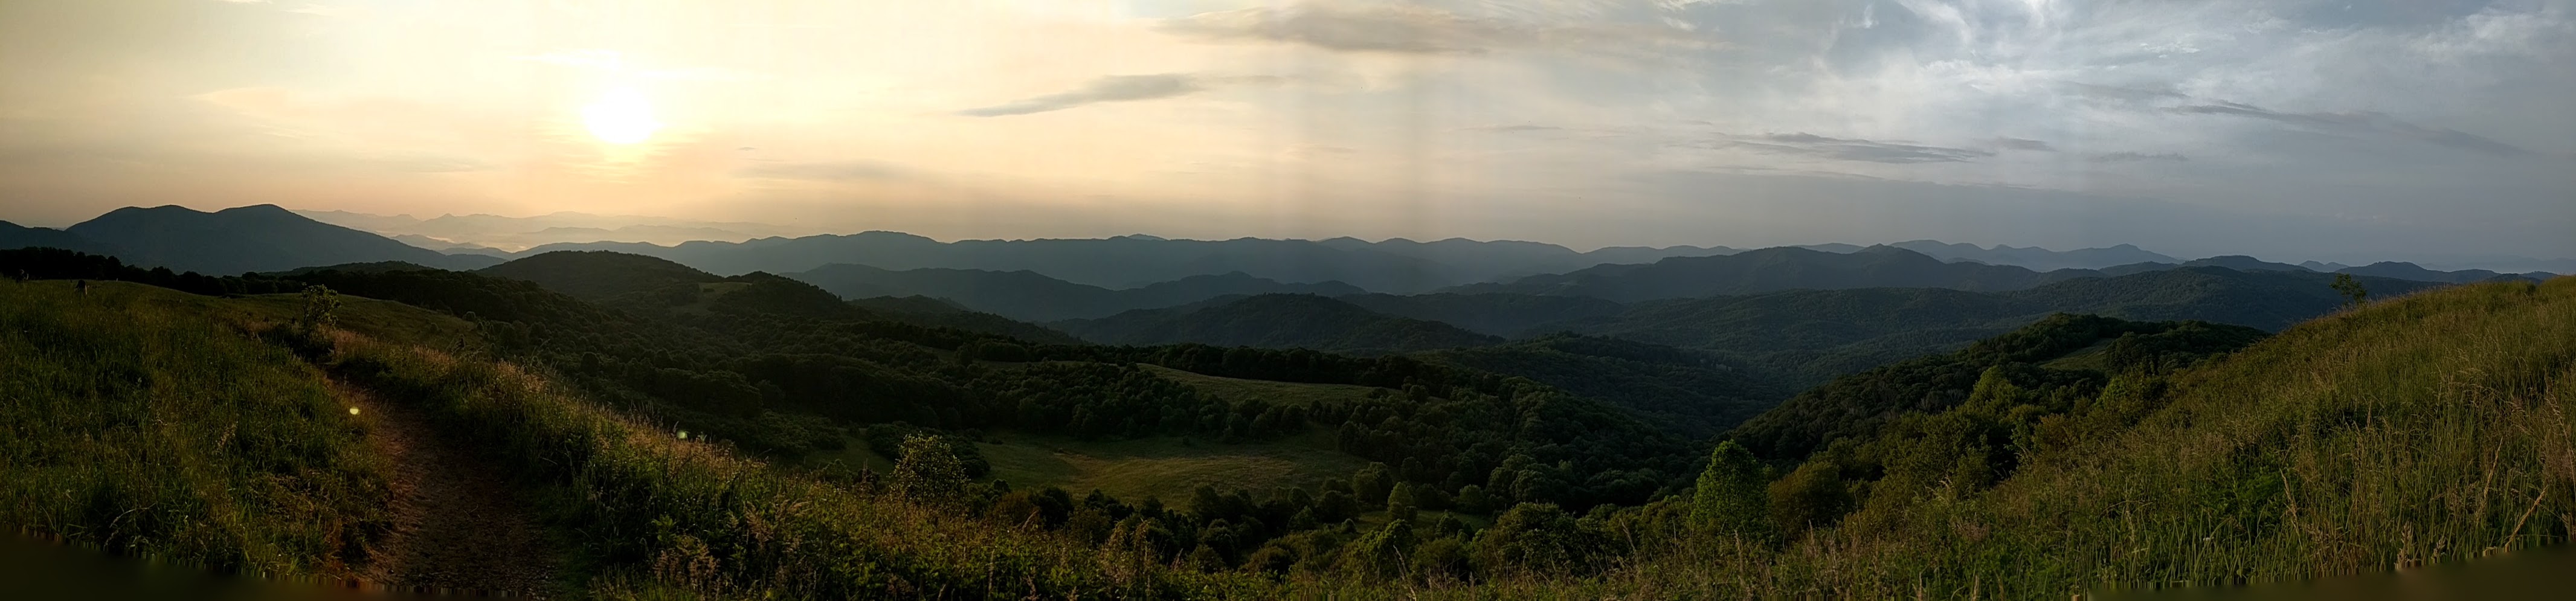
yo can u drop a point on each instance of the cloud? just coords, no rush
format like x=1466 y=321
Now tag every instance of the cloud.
x=1516 y=128
x=1417 y=30
x=1852 y=149
x=829 y=171
x=2360 y=121
x=1115 y=88
x=2022 y=144
x=2126 y=156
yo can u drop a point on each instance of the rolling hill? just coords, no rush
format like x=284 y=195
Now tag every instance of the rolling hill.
x=1696 y=393
x=1283 y=321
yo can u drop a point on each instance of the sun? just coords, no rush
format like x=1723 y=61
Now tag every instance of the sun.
x=620 y=116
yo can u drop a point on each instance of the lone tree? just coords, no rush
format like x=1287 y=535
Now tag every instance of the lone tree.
x=1732 y=500
x=2353 y=294
x=928 y=470
x=321 y=308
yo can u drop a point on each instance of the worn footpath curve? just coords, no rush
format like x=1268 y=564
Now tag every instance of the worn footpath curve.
x=459 y=525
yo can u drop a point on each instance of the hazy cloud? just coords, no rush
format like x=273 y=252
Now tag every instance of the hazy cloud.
x=1851 y=149
x=1416 y=30
x=2131 y=157
x=2023 y=144
x=832 y=171
x=1115 y=88
x=2364 y=121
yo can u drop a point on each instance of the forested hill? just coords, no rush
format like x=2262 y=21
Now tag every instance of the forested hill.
x=1276 y=321
x=2060 y=359
x=1697 y=393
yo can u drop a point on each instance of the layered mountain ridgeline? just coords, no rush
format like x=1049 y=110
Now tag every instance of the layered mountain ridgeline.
x=1794 y=268
x=1775 y=269
x=1813 y=335
x=2036 y=258
x=1283 y=321
x=1028 y=296
x=256 y=238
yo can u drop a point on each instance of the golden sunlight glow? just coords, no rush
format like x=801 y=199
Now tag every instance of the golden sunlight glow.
x=620 y=116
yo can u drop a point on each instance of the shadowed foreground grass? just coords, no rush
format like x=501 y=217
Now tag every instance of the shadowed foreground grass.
x=131 y=421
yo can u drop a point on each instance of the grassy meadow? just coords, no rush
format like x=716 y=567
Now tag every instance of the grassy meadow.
x=1164 y=467
x=1275 y=393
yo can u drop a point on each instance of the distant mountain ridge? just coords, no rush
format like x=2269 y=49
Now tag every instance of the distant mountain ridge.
x=2035 y=258
x=1776 y=269
x=257 y=238
x=1029 y=296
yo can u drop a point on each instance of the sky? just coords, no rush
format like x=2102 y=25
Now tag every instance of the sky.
x=2352 y=131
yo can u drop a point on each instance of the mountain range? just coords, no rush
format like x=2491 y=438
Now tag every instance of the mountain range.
x=1029 y=296
x=257 y=238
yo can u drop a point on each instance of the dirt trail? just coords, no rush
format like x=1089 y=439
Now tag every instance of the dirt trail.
x=459 y=526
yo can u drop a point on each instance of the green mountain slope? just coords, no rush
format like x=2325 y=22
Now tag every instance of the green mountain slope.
x=2075 y=351
x=1507 y=315
x=1276 y=321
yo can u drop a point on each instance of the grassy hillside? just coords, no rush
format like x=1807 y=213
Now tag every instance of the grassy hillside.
x=2423 y=429
x=137 y=421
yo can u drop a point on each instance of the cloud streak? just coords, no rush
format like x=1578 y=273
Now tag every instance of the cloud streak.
x=1417 y=30
x=1115 y=88
x=827 y=171
x=2126 y=156
x=2361 y=121
x=1853 y=149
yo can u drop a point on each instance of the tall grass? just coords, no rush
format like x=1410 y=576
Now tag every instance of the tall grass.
x=145 y=428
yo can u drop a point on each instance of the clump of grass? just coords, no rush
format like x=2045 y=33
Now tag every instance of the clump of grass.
x=134 y=426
